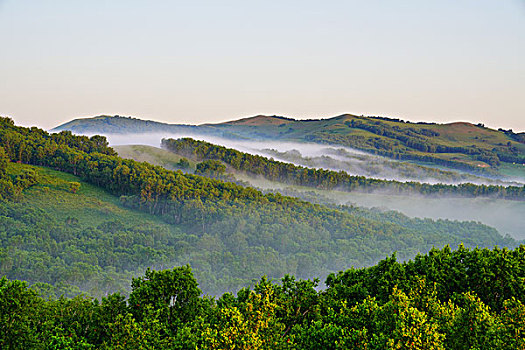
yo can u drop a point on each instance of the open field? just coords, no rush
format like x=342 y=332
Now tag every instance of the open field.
x=90 y=205
x=152 y=155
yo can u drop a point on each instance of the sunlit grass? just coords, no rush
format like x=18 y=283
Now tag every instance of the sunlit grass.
x=90 y=205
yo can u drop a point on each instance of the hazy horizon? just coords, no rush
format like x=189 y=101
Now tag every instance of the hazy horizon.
x=209 y=62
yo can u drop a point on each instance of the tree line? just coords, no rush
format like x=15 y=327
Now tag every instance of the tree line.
x=328 y=179
x=11 y=187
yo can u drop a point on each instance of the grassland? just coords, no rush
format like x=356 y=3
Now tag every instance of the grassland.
x=152 y=155
x=513 y=171
x=452 y=135
x=90 y=205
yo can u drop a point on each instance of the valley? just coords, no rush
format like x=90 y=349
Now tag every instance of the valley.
x=504 y=215
x=258 y=175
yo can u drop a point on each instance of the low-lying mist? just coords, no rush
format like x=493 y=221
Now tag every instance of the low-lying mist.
x=327 y=157
x=504 y=215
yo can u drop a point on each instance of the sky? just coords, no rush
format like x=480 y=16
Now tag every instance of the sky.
x=211 y=61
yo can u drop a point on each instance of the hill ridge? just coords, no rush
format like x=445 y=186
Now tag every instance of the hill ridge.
x=258 y=120
x=262 y=117
x=460 y=145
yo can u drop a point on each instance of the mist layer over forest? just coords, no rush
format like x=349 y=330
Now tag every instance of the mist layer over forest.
x=328 y=157
x=504 y=215
x=55 y=185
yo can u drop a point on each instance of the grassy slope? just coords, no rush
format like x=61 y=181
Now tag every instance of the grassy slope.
x=90 y=205
x=454 y=134
x=152 y=155
x=86 y=268
x=513 y=171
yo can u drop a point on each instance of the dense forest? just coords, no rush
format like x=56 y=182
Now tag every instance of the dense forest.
x=327 y=179
x=446 y=299
x=230 y=234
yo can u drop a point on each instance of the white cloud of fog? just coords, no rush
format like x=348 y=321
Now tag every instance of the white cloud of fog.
x=317 y=156
x=505 y=215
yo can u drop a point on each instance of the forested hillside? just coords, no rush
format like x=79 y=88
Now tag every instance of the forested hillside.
x=54 y=230
x=77 y=237
x=335 y=157
x=327 y=179
x=447 y=299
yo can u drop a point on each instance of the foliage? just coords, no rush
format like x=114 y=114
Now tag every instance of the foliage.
x=16 y=305
x=412 y=313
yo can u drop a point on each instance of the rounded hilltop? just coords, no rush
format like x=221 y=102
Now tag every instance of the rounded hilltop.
x=261 y=120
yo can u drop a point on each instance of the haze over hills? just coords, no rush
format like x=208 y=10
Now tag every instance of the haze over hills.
x=71 y=201
x=269 y=136
x=460 y=145
x=75 y=217
x=256 y=215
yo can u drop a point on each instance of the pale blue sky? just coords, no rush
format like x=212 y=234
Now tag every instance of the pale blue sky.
x=210 y=61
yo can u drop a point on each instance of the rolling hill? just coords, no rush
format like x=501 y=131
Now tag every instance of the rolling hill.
x=75 y=217
x=462 y=145
x=105 y=124
x=85 y=219
x=474 y=148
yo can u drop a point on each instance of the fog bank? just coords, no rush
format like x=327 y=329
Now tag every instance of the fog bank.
x=319 y=156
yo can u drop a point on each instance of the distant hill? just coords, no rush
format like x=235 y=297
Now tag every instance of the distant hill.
x=259 y=120
x=463 y=145
x=459 y=145
x=105 y=124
